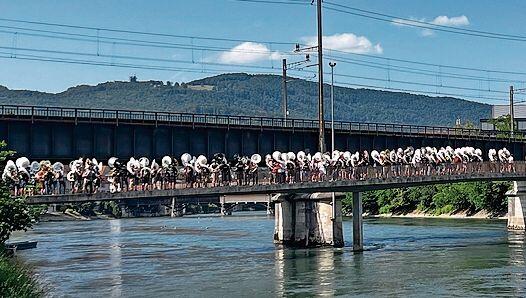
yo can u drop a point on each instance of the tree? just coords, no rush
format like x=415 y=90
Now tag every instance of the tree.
x=15 y=214
x=502 y=123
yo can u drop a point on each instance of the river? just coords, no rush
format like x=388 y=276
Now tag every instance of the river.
x=216 y=256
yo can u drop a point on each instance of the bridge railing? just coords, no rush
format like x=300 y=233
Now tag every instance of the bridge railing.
x=374 y=176
x=87 y=114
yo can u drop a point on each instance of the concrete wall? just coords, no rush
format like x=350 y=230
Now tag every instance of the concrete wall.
x=517 y=206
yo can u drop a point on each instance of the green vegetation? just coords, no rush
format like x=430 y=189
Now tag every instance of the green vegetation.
x=440 y=199
x=502 y=123
x=15 y=215
x=109 y=208
x=257 y=95
x=16 y=280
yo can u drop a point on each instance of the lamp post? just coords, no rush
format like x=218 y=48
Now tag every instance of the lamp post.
x=332 y=65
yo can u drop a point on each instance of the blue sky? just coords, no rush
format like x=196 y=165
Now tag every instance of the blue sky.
x=264 y=22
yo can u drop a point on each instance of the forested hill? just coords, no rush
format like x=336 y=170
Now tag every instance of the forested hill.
x=258 y=95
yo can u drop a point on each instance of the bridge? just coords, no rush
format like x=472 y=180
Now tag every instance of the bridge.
x=306 y=215
x=63 y=134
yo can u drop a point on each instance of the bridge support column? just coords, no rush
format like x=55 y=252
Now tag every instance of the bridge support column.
x=270 y=211
x=307 y=221
x=177 y=210
x=225 y=211
x=357 y=222
x=517 y=206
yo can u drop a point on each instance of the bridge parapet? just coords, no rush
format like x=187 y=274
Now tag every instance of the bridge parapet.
x=92 y=115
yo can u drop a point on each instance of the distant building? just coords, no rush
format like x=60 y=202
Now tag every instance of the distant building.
x=504 y=110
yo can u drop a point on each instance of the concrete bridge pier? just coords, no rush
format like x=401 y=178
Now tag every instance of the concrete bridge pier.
x=225 y=210
x=307 y=220
x=517 y=206
x=177 y=210
x=357 y=222
x=270 y=210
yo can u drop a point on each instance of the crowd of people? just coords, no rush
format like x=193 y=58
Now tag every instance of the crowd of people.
x=85 y=175
x=28 y=178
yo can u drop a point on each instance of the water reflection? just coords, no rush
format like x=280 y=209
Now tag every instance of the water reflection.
x=115 y=258
x=235 y=257
x=306 y=271
x=516 y=244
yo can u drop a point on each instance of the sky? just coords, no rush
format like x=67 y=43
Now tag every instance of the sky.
x=254 y=26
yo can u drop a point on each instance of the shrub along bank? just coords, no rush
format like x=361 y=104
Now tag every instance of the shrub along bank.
x=469 y=197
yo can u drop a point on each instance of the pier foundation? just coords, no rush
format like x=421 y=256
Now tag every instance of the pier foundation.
x=517 y=206
x=308 y=220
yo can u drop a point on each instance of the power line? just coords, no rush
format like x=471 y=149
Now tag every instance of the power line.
x=420 y=71
x=159 y=44
x=113 y=64
x=111 y=40
x=47 y=51
x=420 y=24
x=142 y=32
x=427 y=23
x=211 y=71
x=398 y=20
x=150 y=59
x=523 y=38
x=122 y=41
x=380 y=88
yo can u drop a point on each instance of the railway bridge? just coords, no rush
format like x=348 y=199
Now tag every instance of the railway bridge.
x=64 y=134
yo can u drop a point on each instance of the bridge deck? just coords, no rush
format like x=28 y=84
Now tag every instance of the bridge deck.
x=303 y=187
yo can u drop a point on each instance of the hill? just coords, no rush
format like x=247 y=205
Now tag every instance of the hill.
x=257 y=95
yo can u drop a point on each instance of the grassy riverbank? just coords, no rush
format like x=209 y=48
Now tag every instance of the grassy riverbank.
x=16 y=280
x=474 y=199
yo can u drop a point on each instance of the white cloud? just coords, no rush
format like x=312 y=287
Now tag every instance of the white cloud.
x=347 y=42
x=440 y=20
x=248 y=52
x=451 y=21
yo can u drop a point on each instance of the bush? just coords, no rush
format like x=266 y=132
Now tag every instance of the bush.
x=15 y=214
x=16 y=281
x=471 y=197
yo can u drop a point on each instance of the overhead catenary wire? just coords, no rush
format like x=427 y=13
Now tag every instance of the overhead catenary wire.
x=217 y=71
x=142 y=32
x=432 y=26
x=202 y=63
x=220 y=49
x=191 y=46
x=397 y=20
x=296 y=2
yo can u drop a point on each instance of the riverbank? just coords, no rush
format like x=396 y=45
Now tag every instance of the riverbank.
x=457 y=215
x=16 y=280
x=69 y=215
x=75 y=216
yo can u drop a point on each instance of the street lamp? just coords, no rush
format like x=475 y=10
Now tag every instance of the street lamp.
x=332 y=65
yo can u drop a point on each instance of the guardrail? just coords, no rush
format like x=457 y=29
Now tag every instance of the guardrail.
x=359 y=179
x=88 y=114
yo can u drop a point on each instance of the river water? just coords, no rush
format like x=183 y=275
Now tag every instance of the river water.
x=232 y=256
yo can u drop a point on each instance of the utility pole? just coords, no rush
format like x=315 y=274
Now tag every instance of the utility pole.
x=512 y=113
x=320 y=78
x=285 y=105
